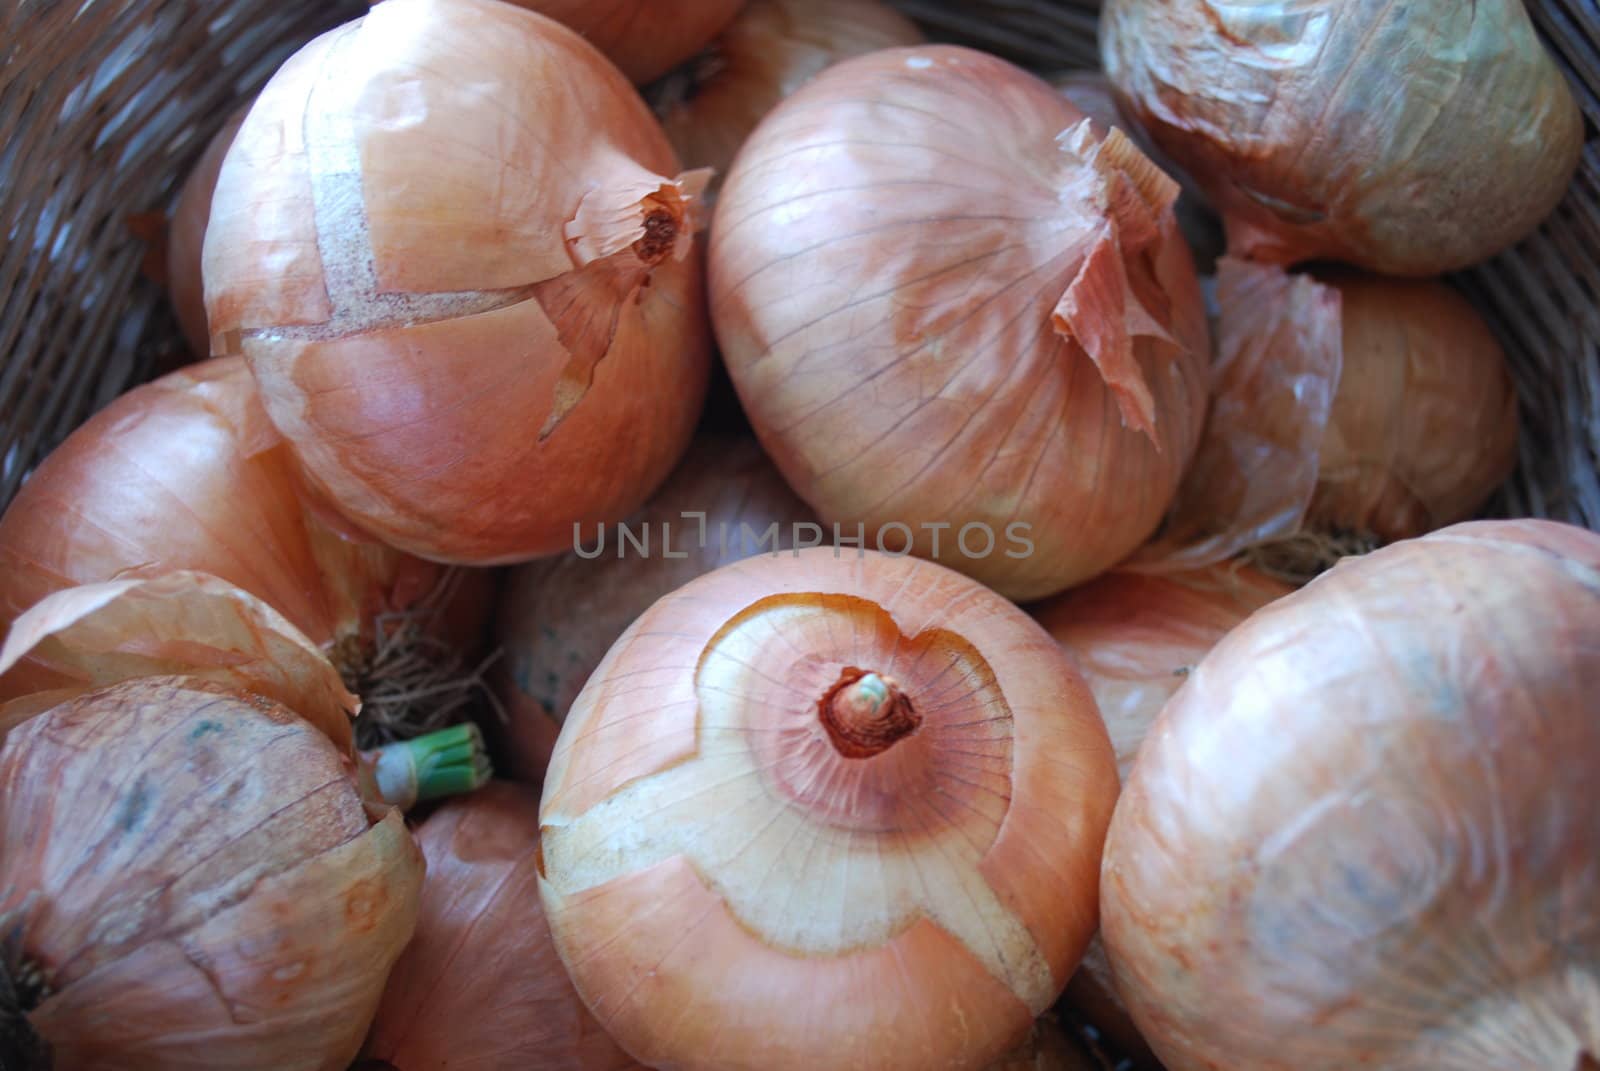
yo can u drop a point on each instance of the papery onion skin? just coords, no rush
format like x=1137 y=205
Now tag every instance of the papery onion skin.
x=559 y=617
x=645 y=38
x=1423 y=426
x=449 y=241
x=1369 y=809
x=186 y=238
x=766 y=53
x=819 y=811
x=187 y=473
x=480 y=987
x=1409 y=139
x=1136 y=637
x=242 y=909
x=1047 y=1049
x=943 y=300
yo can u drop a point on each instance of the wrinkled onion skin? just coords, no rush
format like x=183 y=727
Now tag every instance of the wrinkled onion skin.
x=480 y=987
x=196 y=873
x=1408 y=139
x=890 y=261
x=1370 y=809
x=1423 y=426
x=765 y=54
x=645 y=38
x=187 y=473
x=709 y=855
x=429 y=241
x=186 y=238
x=559 y=616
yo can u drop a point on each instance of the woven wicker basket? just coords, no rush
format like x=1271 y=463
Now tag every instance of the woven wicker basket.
x=104 y=105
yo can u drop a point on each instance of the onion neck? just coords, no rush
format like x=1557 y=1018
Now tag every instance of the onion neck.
x=450 y=762
x=866 y=713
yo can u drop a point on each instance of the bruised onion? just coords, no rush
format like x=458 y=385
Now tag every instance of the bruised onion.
x=1409 y=139
x=646 y=38
x=826 y=811
x=187 y=473
x=949 y=306
x=186 y=237
x=1369 y=809
x=766 y=53
x=193 y=876
x=480 y=987
x=448 y=240
x=1345 y=407
x=559 y=616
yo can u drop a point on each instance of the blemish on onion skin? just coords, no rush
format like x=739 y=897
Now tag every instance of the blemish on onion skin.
x=918 y=63
x=363 y=904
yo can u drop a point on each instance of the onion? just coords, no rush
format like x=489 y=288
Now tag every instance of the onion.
x=186 y=236
x=646 y=38
x=187 y=473
x=1135 y=637
x=945 y=301
x=1346 y=407
x=1410 y=139
x=193 y=876
x=480 y=987
x=769 y=51
x=559 y=616
x=446 y=242
x=818 y=811
x=1047 y=1048
x=1369 y=809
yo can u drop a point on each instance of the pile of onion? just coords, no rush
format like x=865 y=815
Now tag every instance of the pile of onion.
x=769 y=51
x=826 y=811
x=473 y=304
x=1370 y=809
x=950 y=307
x=187 y=473
x=559 y=616
x=186 y=238
x=196 y=873
x=1346 y=408
x=645 y=38
x=1410 y=139
x=480 y=986
x=1136 y=637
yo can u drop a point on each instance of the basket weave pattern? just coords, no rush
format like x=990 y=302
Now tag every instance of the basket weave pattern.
x=105 y=104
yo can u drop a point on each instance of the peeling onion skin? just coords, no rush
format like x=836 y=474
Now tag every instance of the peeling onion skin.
x=194 y=870
x=480 y=987
x=559 y=616
x=771 y=49
x=1408 y=139
x=186 y=237
x=1135 y=637
x=712 y=850
x=187 y=473
x=1423 y=426
x=909 y=274
x=1370 y=808
x=645 y=38
x=449 y=242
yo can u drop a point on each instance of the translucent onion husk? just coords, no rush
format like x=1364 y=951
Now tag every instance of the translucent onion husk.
x=193 y=882
x=1136 y=637
x=559 y=616
x=186 y=238
x=187 y=473
x=772 y=48
x=945 y=300
x=474 y=304
x=480 y=987
x=645 y=38
x=1370 y=808
x=1347 y=409
x=826 y=811
x=1409 y=139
